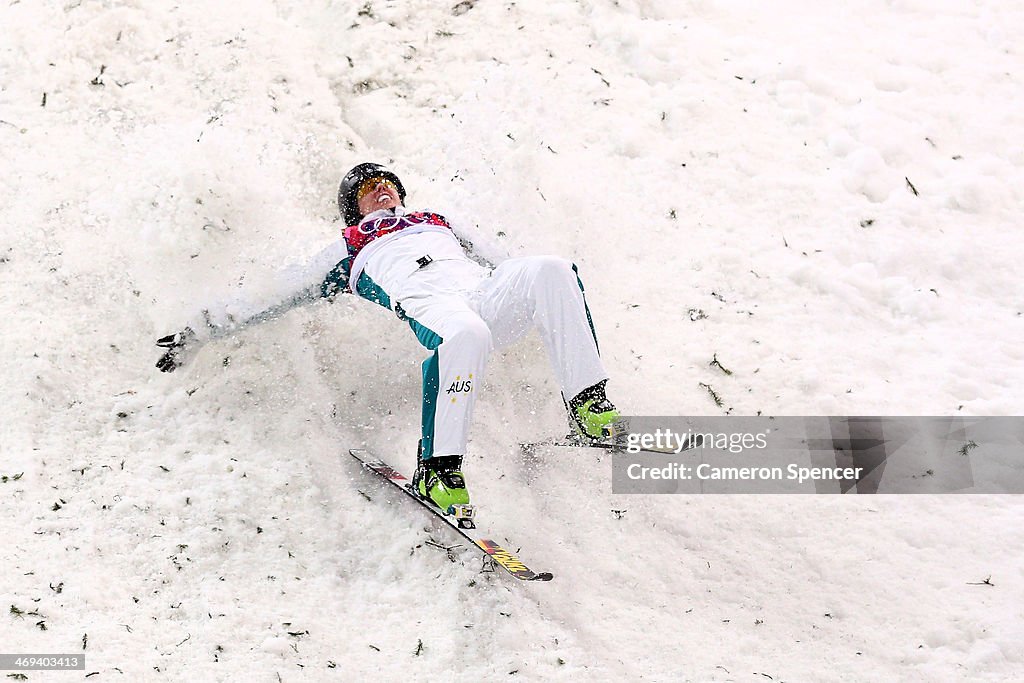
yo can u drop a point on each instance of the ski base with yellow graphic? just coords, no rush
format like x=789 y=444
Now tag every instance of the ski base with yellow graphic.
x=453 y=519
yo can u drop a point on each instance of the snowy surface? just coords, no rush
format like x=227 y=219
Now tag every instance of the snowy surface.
x=826 y=197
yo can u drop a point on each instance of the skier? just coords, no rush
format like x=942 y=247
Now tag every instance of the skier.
x=460 y=306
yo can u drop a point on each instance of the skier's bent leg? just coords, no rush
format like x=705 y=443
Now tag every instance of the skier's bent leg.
x=561 y=314
x=450 y=380
x=546 y=292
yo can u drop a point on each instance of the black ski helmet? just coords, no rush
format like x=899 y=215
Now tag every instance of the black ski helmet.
x=348 y=205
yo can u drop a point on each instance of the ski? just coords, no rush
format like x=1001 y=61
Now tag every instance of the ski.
x=463 y=524
x=609 y=444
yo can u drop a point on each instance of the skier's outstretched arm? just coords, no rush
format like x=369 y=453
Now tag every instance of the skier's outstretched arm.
x=324 y=277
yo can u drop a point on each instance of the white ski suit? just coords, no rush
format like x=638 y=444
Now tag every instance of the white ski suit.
x=414 y=264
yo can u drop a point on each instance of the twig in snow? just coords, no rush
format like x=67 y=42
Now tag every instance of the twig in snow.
x=986 y=582
x=98 y=80
x=715 y=363
x=449 y=549
x=967 y=448
x=419 y=648
x=911 y=186
x=714 y=395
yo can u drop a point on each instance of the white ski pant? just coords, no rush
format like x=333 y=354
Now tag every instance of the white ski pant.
x=461 y=315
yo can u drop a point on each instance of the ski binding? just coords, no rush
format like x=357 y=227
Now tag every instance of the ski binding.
x=463 y=515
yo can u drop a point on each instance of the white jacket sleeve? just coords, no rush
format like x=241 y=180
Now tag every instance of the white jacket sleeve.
x=295 y=286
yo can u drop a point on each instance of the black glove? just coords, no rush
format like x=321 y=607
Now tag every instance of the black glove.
x=180 y=347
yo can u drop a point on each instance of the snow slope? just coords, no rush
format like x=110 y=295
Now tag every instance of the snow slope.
x=825 y=197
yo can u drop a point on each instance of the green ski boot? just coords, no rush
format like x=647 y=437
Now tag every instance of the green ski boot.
x=439 y=480
x=592 y=415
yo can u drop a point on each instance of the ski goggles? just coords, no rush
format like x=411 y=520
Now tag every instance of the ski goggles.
x=370 y=185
